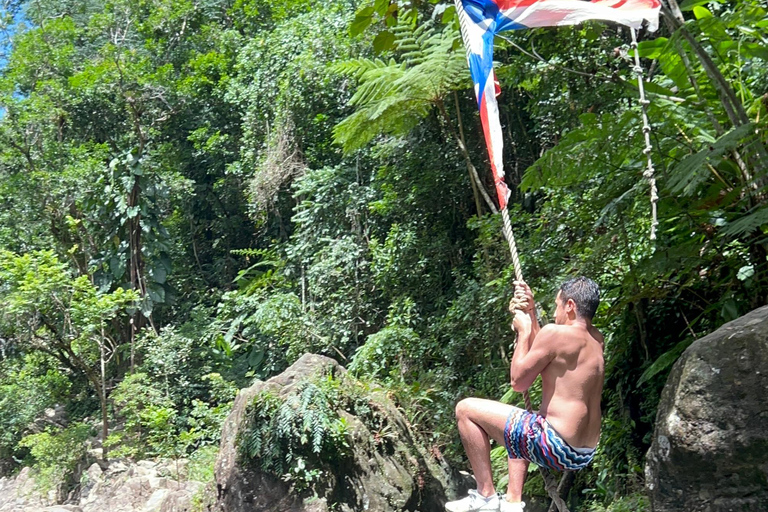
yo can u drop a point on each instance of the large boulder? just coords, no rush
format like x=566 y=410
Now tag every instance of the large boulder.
x=376 y=476
x=710 y=445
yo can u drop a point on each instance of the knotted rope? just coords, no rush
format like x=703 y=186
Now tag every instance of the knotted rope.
x=649 y=172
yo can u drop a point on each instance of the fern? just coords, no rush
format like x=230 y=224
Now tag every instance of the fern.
x=748 y=223
x=299 y=437
x=394 y=96
x=692 y=171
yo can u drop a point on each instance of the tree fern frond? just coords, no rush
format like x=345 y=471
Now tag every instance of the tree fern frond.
x=748 y=223
x=393 y=99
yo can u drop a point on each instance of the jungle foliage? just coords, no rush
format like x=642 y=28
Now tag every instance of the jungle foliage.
x=193 y=194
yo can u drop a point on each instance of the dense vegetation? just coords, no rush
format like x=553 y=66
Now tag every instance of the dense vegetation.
x=193 y=194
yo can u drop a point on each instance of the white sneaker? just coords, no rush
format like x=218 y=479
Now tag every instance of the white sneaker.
x=508 y=506
x=474 y=503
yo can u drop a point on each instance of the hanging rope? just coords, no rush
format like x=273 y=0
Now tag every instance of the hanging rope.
x=549 y=480
x=649 y=172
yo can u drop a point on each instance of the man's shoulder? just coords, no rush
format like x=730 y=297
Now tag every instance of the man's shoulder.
x=552 y=332
x=561 y=333
x=554 y=329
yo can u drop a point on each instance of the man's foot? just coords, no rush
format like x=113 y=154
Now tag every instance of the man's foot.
x=508 y=506
x=475 y=502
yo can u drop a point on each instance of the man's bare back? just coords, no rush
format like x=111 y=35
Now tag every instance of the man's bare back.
x=572 y=384
x=569 y=357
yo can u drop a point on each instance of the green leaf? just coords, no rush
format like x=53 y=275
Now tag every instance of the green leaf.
x=688 y=5
x=146 y=306
x=664 y=361
x=381 y=7
x=165 y=261
x=383 y=41
x=748 y=223
x=159 y=274
x=653 y=48
x=729 y=311
x=652 y=87
x=449 y=15
x=686 y=176
x=156 y=293
x=754 y=50
x=363 y=19
x=745 y=272
x=256 y=357
x=701 y=12
x=117 y=267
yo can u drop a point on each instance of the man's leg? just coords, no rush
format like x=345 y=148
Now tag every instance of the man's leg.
x=518 y=469
x=480 y=420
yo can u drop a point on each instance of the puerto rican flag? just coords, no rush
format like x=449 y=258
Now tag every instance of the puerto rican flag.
x=481 y=19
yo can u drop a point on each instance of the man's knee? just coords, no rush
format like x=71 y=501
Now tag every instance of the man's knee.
x=464 y=409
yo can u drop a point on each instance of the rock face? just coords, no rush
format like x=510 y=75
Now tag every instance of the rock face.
x=19 y=494
x=140 y=487
x=710 y=446
x=398 y=478
x=145 y=486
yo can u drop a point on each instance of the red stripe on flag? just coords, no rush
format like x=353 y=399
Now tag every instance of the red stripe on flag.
x=512 y=4
x=501 y=187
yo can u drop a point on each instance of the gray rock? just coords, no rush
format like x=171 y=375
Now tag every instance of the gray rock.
x=19 y=494
x=710 y=445
x=140 y=487
x=373 y=479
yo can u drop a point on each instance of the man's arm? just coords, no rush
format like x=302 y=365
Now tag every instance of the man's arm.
x=532 y=354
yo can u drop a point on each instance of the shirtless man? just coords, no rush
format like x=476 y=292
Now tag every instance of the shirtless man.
x=563 y=435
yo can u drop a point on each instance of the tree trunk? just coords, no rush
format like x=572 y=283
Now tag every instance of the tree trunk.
x=475 y=192
x=103 y=395
x=470 y=167
x=104 y=419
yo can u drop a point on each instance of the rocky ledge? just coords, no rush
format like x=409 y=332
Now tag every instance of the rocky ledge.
x=144 y=486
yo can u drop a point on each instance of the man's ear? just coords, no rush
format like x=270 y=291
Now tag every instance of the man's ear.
x=570 y=305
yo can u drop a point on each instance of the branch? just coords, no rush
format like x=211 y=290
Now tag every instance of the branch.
x=470 y=166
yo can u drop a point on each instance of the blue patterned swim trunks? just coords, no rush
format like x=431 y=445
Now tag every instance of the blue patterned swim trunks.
x=528 y=436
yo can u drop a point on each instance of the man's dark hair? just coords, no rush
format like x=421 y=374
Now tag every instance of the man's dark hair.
x=584 y=293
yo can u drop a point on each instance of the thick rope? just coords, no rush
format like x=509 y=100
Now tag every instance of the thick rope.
x=549 y=480
x=649 y=172
x=507 y=228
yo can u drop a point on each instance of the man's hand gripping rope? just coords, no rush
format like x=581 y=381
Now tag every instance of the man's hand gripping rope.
x=522 y=308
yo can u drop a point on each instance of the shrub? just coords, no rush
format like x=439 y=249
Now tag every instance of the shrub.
x=57 y=454
x=385 y=353
x=149 y=418
x=27 y=387
x=201 y=464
